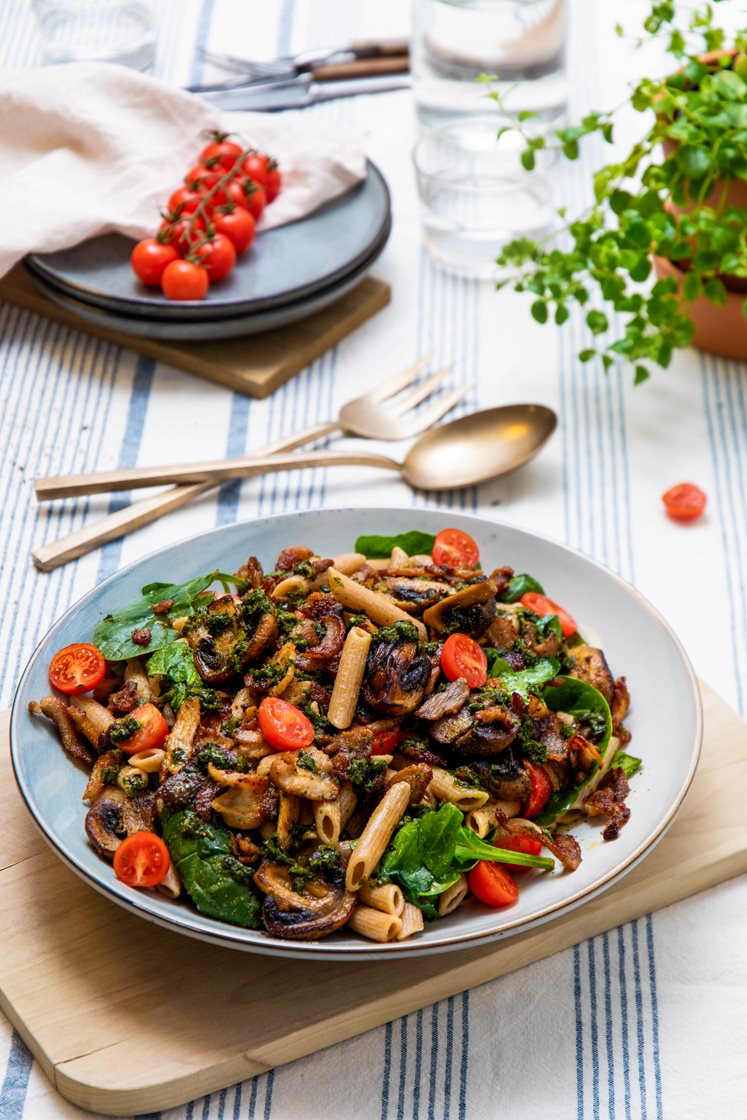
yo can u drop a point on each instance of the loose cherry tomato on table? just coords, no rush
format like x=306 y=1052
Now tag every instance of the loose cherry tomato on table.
x=237 y=224
x=216 y=256
x=149 y=258
x=462 y=657
x=77 y=668
x=387 y=741
x=264 y=170
x=184 y=280
x=151 y=734
x=455 y=549
x=284 y=727
x=142 y=860
x=684 y=502
x=491 y=883
x=541 y=605
x=541 y=790
x=221 y=152
x=526 y=844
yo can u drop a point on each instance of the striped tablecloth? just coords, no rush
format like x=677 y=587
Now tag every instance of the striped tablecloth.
x=646 y=1021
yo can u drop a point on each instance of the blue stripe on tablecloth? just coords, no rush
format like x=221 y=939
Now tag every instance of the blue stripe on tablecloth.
x=434 y=1063
x=654 y=1015
x=464 y=1065
x=639 y=1021
x=624 y=1020
x=16 y=1080
x=594 y=1030
x=403 y=1024
x=385 y=1087
x=608 y=1036
x=579 y=1032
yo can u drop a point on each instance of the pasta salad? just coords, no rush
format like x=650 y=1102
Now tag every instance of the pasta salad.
x=367 y=741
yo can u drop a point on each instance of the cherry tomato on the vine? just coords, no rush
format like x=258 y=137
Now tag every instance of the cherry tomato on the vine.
x=221 y=152
x=236 y=224
x=77 y=668
x=184 y=201
x=216 y=256
x=177 y=232
x=245 y=192
x=541 y=605
x=461 y=656
x=149 y=258
x=201 y=177
x=284 y=727
x=142 y=860
x=184 y=280
x=684 y=502
x=455 y=549
x=264 y=170
x=491 y=884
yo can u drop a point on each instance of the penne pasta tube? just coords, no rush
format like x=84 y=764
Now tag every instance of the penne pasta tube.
x=349 y=678
x=446 y=788
x=290 y=586
x=99 y=717
x=288 y=814
x=378 y=608
x=134 y=671
x=180 y=738
x=171 y=886
x=149 y=761
x=349 y=562
x=330 y=817
x=374 y=924
x=387 y=898
x=412 y=921
x=481 y=820
x=377 y=834
x=453 y=896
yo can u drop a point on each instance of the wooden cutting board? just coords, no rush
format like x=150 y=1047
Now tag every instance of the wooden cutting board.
x=96 y=992
x=256 y=365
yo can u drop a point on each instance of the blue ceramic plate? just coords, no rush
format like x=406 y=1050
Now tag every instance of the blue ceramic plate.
x=637 y=641
x=285 y=264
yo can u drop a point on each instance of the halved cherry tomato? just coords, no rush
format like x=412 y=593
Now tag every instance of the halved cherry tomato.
x=77 y=668
x=142 y=860
x=216 y=256
x=264 y=170
x=221 y=152
x=149 y=258
x=462 y=657
x=455 y=549
x=526 y=844
x=184 y=280
x=386 y=742
x=541 y=605
x=491 y=883
x=684 y=502
x=284 y=727
x=184 y=201
x=151 y=733
x=237 y=224
x=541 y=790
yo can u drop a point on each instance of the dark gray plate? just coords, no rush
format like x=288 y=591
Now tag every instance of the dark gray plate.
x=203 y=329
x=284 y=265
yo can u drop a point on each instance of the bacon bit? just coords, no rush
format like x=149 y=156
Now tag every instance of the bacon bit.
x=562 y=845
x=163 y=607
x=608 y=800
x=141 y=636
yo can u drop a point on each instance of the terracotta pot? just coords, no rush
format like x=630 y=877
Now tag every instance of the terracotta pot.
x=718 y=330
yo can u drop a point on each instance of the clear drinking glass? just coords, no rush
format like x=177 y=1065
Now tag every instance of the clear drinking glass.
x=475 y=195
x=520 y=41
x=120 y=31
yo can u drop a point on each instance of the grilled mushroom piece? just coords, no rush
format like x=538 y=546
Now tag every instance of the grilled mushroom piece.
x=227 y=635
x=590 y=665
x=306 y=915
x=448 y=729
x=412 y=594
x=327 y=613
x=397 y=677
x=104 y=826
x=470 y=610
x=138 y=814
x=505 y=776
x=494 y=729
x=446 y=702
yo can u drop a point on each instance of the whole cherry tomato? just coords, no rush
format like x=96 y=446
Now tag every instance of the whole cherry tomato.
x=184 y=280
x=237 y=224
x=216 y=256
x=264 y=170
x=220 y=152
x=149 y=258
x=177 y=232
x=184 y=201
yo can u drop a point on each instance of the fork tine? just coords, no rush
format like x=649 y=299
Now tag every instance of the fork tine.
x=394 y=384
x=420 y=392
x=434 y=412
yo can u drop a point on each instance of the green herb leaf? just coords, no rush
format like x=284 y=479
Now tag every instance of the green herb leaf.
x=627 y=762
x=520 y=585
x=523 y=681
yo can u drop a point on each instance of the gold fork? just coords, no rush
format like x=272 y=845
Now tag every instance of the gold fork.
x=379 y=414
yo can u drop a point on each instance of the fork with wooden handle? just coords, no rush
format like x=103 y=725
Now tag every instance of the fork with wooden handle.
x=365 y=416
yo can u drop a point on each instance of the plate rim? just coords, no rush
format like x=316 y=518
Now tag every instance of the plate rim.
x=235 y=936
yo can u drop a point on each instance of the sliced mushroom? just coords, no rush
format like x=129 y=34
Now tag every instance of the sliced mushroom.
x=503 y=630
x=180 y=788
x=227 y=635
x=412 y=593
x=480 y=592
x=448 y=729
x=494 y=729
x=317 y=784
x=417 y=777
x=242 y=805
x=315 y=912
x=397 y=676
x=138 y=814
x=104 y=826
x=53 y=708
x=590 y=665
x=446 y=702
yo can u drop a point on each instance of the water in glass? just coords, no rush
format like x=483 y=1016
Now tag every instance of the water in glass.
x=120 y=31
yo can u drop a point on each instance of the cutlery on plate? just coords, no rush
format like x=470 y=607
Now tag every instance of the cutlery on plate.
x=379 y=414
x=300 y=92
x=253 y=70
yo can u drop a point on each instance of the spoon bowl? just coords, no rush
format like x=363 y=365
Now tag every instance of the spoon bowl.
x=479 y=447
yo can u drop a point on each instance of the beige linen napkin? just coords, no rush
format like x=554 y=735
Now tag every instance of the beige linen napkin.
x=87 y=147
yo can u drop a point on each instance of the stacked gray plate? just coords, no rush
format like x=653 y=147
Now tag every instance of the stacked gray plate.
x=289 y=273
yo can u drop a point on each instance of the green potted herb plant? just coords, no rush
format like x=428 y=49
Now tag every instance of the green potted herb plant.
x=675 y=205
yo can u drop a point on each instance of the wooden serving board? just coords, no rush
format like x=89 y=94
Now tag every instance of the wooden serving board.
x=101 y=1021
x=256 y=365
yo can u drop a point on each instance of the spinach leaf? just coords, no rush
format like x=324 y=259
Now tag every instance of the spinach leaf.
x=214 y=880
x=549 y=624
x=519 y=585
x=585 y=703
x=176 y=662
x=379 y=548
x=438 y=834
x=526 y=680
x=113 y=635
x=627 y=762
x=470 y=849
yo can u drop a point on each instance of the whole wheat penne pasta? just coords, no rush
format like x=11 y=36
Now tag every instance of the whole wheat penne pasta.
x=148 y=761
x=378 y=608
x=349 y=562
x=134 y=671
x=331 y=817
x=398 y=558
x=378 y=564
x=412 y=921
x=349 y=678
x=481 y=820
x=171 y=885
x=180 y=738
x=453 y=896
x=387 y=898
x=288 y=813
x=508 y=808
x=374 y=924
x=289 y=586
x=429 y=797
x=377 y=834
x=97 y=715
x=446 y=788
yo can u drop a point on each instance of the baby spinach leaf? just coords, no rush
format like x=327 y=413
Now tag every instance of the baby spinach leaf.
x=627 y=762
x=212 y=877
x=177 y=664
x=438 y=834
x=519 y=585
x=560 y=802
x=526 y=680
x=414 y=543
x=470 y=849
x=585 y=703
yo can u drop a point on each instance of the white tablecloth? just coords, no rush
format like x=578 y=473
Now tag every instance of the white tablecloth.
x=646 y=1021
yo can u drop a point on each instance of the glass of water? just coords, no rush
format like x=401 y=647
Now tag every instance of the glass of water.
x=475 y=195
x=120 y=31
x=521 y=42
